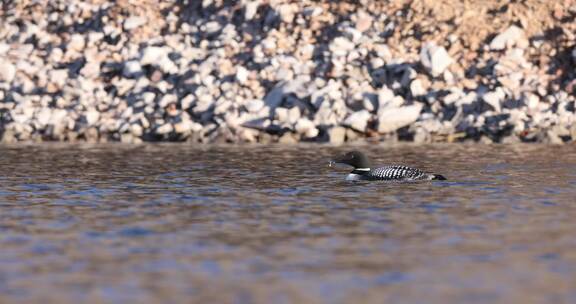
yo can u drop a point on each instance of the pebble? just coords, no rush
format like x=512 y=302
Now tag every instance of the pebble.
x=132 y=69
x=435 y=58
x=134 y=22
x=307 y=128
x=164 y=129
x=495 y=99
x=358 y=120
x=392 y=119
x=507 y=38
x=336 y=135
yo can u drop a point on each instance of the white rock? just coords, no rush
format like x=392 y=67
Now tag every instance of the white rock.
x=250 y=9
x=294 y=115
x=148 y=97
x=187 y=126
x=281 y=115
x=164 y=129
x=92 y=117
x=369 y=103
x=59 y=77
x=507 y=38
x=306 y=127
x=155 y=55
x=136 y=129
x=212 y=26
x=532 y=101
x=336 y=135
x=254 y=105
x=7 y=71
x=358 y=120
x=76 y=43
x=132 y=69
x=167 y=100
x=340 y=46
x=241 y=74
x=385 y=96
x=133 y=22
x=43 y=116
x=416 y=88
x=187 y=101
x=392 y=119
x=495 y=99
x=91 y=69
x=435 y=58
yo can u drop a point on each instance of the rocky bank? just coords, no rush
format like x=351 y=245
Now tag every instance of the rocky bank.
x=288 y=71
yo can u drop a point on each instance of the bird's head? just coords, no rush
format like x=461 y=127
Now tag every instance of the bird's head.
x=355 y=159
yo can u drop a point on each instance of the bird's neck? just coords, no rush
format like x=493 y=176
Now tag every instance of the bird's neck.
x=360 y=171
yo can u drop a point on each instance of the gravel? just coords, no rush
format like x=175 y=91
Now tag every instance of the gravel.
x=287 y=71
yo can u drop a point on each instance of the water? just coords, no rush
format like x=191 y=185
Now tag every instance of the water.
x=254 y=224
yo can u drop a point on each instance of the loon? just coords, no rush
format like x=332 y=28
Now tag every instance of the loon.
x=363 y=171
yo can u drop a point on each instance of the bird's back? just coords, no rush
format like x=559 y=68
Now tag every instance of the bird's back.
x=398 y=172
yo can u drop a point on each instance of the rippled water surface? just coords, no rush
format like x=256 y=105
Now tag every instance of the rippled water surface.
x=254 y=224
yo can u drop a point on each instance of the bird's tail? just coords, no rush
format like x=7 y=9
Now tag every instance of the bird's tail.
x=438 y=177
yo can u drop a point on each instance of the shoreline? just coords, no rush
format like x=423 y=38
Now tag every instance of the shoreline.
x=282 y=72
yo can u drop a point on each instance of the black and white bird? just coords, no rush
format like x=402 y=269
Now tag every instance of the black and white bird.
x=364 y=171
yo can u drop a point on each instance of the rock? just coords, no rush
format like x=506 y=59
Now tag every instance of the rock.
x=212 y=27
x=133 y=22
x=59 y=77
x=294 y=115
x=254 y=105
x=340 y=46
x=336 y=135
x=126 y=138
x=241 y=74
x=92 y=117
x=392 y=119
x=136 y=130
x=364 y=21
x=287 y=138
x=247 y=135
x=532 y=101
x=435 y=59
x=158 y=56
x=250 y=9
x=260 y=124
x=551 y=137
x=164 y=129
x=495 y=99
x=187 y=126
x=274 y=98
x=385 y=97
x=407 y=77
x=77 y=43
x=43 y=116
x=358 y=120
x=416 y=88
x=132 y=69
x=7 y=71
x=281 y=115
x=507 y=38
x=306 y=127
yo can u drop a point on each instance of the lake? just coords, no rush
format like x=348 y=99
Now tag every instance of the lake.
x=176 y=223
